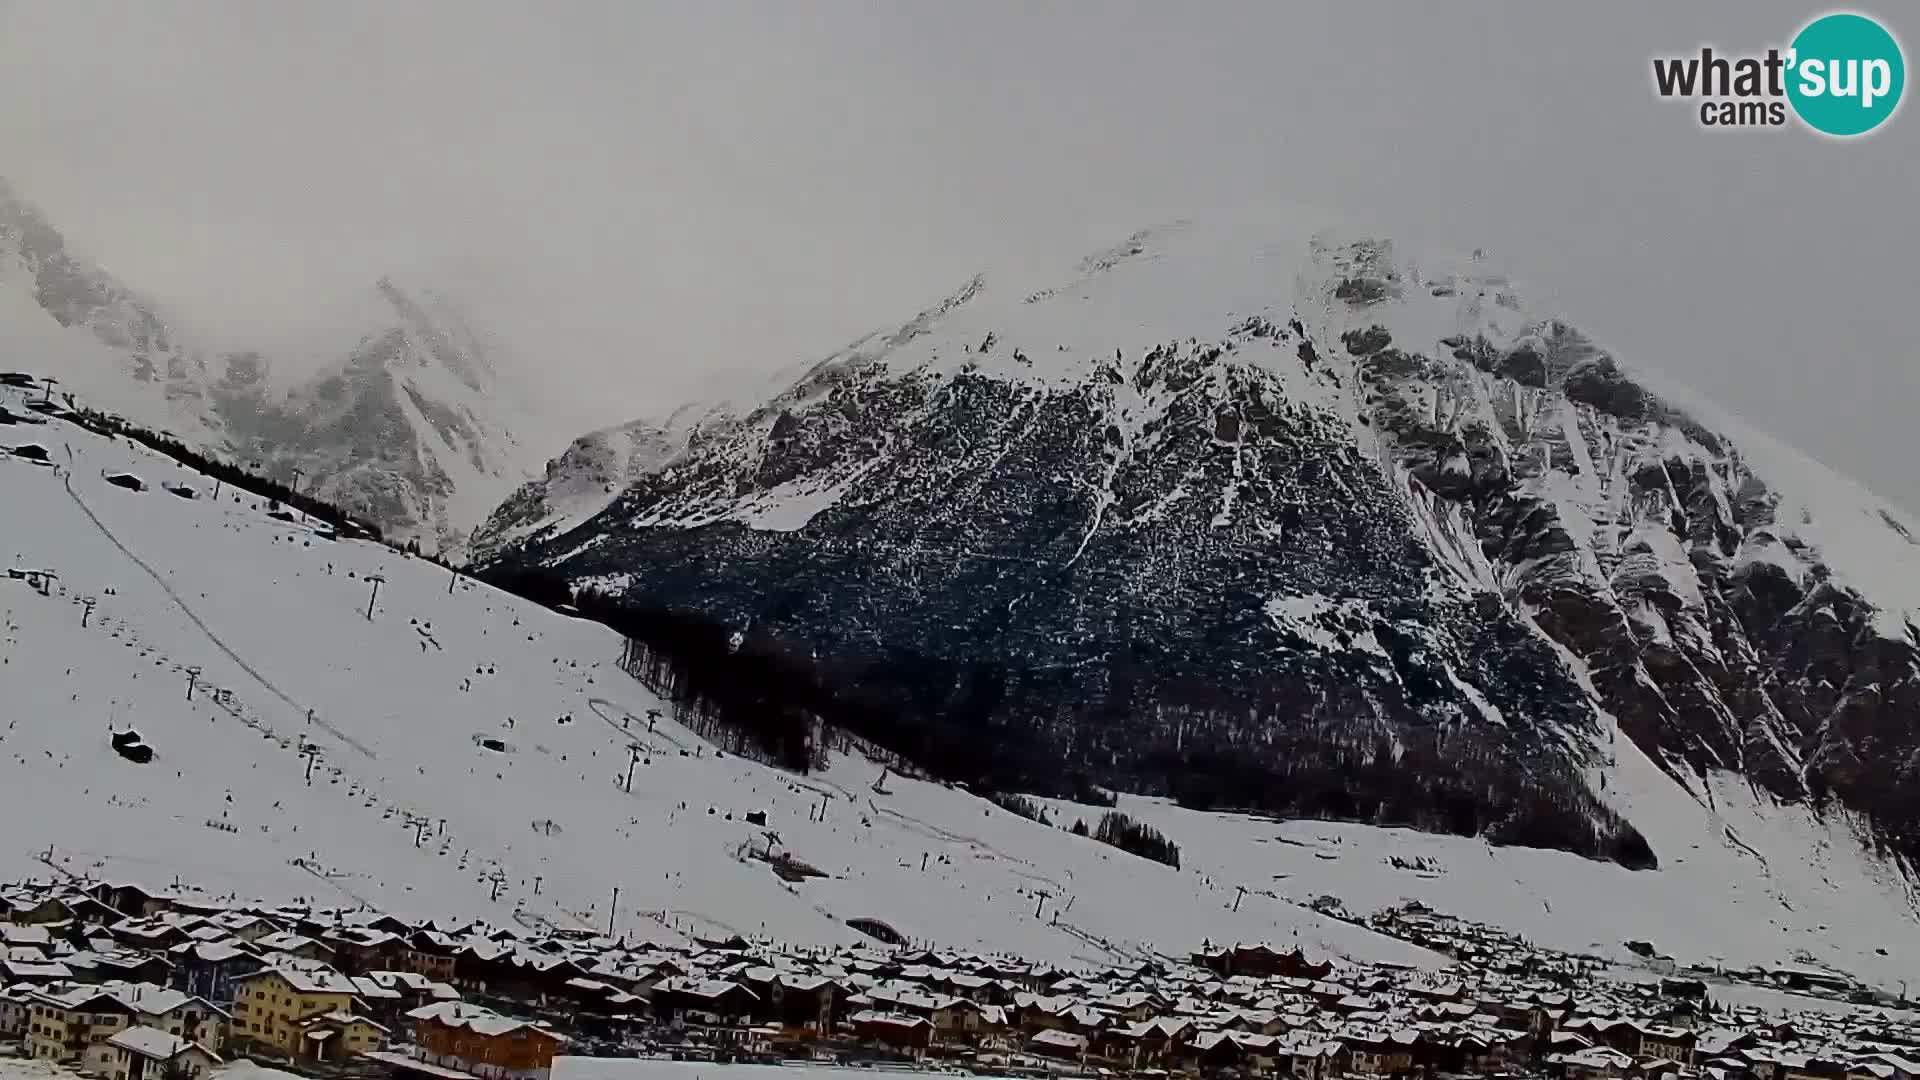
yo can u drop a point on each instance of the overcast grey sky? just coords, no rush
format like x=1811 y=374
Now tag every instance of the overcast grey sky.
x=647 y=192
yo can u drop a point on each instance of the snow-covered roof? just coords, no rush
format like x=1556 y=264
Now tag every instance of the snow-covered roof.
x=408 y=1064
x=307 y=979
x=214 y=951
x=339 y=1018
x=881 y=1016
x=1064 y=1039
x=475 y=1018
x=155 y=1044
x=287 y=941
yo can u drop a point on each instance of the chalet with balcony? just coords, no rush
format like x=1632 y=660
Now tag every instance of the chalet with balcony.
x=479 y=1041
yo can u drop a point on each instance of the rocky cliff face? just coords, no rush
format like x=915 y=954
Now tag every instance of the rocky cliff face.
x=1284 y=520
x=593 y=470
x=408 y=428
x=111 y=336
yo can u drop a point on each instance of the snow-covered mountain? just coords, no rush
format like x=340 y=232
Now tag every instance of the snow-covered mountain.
x=586 y=478
x=406 y=422
x=1280 y=517
x=457 y=734
x=410 y=428
x=453 y=736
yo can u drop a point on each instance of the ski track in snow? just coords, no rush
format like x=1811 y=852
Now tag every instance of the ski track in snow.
x=186 y=609
x=599 y=707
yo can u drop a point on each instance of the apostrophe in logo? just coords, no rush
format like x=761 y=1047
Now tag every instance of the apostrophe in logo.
x=1842 y=75
x=1847 y=74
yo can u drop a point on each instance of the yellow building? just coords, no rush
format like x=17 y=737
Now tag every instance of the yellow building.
x=62 y=1026
x=73 y=1024
x=271 y=1006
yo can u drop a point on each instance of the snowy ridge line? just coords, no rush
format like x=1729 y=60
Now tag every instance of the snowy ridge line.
x=66 y=481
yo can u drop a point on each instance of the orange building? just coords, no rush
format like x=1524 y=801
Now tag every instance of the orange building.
x=457 y=1035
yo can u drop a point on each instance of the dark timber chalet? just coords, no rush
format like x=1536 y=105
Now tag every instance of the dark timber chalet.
x=1261 y=961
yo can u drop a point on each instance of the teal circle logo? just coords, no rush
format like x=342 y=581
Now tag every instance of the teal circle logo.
x=1846 y=74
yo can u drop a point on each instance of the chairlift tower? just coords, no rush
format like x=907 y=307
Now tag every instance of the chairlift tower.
x=375 y=580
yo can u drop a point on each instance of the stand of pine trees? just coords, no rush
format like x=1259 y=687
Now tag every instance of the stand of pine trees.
x=1118 y=830
x=1022 y=805
x=771 y=701
x=759 y=703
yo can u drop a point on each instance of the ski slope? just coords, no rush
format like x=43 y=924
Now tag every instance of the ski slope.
x=1743 y=881
x=216 y=631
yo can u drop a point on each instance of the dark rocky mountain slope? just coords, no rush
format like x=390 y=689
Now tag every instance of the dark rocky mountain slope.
x=1277 y=519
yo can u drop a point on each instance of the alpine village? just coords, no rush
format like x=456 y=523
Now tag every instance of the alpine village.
x=121 y=983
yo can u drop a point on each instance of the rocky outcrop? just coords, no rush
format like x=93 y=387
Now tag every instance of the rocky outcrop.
x=403 y=430
x=1712 y=626
x=586 y=478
